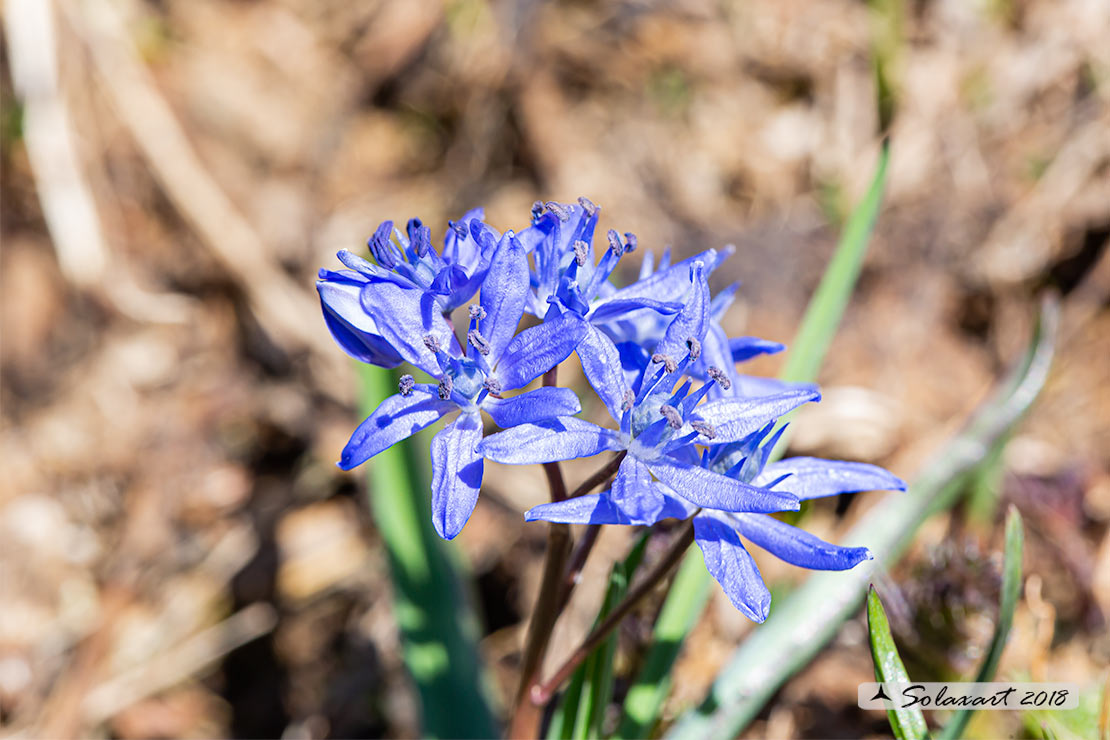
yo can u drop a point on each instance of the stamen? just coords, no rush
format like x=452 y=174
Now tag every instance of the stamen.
x=406 y=384
x=615 y=242
x=704 y=428
x=670 y=413
x=461 y=229
x=432 y=343
x=717 y=375
x=581 y=251
x=628 y=401
x=478 y=342
x=445 y=387
x=588 y=206
x=630 y=242
x=668 y=361
x=558 y=209
x=420 y=237
x=493 y=385
x=537 y=209
x=476 y=311
x=695 y=348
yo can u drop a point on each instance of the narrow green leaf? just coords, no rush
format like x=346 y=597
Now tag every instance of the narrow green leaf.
x=800 y=627
x=431 y=601
x=908 y=723
x=1011 y=593
x=692 y=586
x=582 y=709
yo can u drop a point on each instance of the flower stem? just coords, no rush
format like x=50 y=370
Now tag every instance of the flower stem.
x=542 y=693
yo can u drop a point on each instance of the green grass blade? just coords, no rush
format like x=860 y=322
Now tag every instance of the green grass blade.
x=431 y=603
x=684 y=604
x=582 y=708
x=1011 y=593
x=801 y=626
x=822 y=317
x=908 y=723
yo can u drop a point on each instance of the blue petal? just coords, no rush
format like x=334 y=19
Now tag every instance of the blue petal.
x=536 y=350
x=692 y=321
x=635 y=493
x=601 y=363
x=352 y=328
x=405 y=316
x=591 y=509
x=669 y=284
x=564 y=438
x=609 y=310
x=503 y=295
x=715 y=491
x=745 y=348
x=456 y=474
x=796 y=546
x=396 y=418
x=735 y=419
x=732 y=566
x=536 y=405
x=812 y=477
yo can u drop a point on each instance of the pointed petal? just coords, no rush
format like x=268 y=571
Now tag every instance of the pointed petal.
x=715 y=491
x=536 y=405
x=734 y=419
x=456 y=474
x=601 y=363
x=745 y=348
x=405 y=316
x=503 y=295
x=796 y=546
x=351 y=327
x=536 y=350
x=732 y=566
x=812 y=477
x=669 y=283
x=612 y=310
x=564 y=438
x=591 y=509
x=396 y=418
x=692 y=321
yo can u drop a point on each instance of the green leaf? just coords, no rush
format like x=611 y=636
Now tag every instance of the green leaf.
x=800 y=627
x=582 y=709
x=693 y=584
x=908 y=723
x=1011 y=593
x=431 y=598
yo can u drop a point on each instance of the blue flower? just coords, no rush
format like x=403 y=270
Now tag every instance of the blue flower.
x=446 y=280
x=659 y=425
x=635 y=499
x=409 y=318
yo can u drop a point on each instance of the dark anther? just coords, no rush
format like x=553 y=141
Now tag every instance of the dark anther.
x=695 y=348
x=630 y=242
x=720 y=377
x=420 y=237
x=432 y=343
x=537 y=209
x=588 y=206
x=445 y=387
x=478 y=341
x=704 y=428
x=581 y=250
x=493 y=385
x=668 y=361
x=406 y=385
x=558 y=209
x=476 y=311
x=670 y=413
x=459 y=228
x=615 y=242
x=628 y=401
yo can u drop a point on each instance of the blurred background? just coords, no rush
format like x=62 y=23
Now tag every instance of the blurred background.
x=179 y=555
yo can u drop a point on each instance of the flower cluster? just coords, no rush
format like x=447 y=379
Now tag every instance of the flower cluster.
x=695 y=436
